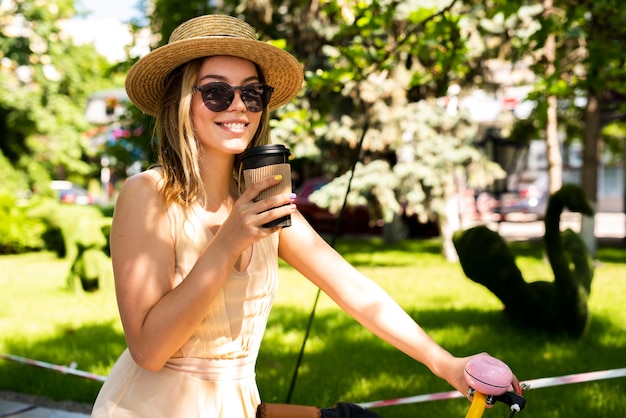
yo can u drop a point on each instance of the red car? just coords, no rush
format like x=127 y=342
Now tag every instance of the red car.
x=355 y=220
x=71 y=193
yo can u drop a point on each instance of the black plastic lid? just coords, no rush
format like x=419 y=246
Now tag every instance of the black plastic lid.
x=264 y=155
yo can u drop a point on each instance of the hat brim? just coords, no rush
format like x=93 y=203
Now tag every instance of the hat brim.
x=145 y=80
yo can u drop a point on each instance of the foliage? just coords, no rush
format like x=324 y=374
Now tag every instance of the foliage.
x=614 y=135
x=588 y=78
x=590 y=55
x=367 y=65
x=77 y=225
x=45 y=81
x=435 y=156
x=131 y=146
x=91 y=267
x=19 y=233
x=12 y=180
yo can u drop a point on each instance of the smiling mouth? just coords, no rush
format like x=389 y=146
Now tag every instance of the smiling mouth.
x=233 y=125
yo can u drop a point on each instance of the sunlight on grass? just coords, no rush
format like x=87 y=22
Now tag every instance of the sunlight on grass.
x=40 y=319
x=462 y=316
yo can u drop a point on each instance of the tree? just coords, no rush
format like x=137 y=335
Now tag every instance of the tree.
x=365 y=63
x=385 y=65
x=588 y=64
x=45 y=82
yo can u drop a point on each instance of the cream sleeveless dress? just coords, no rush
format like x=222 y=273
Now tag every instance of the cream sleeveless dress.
x=213 y=374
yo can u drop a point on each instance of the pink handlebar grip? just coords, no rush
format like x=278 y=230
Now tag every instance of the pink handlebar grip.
x=488 y=375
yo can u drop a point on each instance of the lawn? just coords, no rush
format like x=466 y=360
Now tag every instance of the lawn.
x=41 y=320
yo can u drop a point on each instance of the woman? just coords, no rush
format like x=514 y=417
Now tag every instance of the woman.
x=195 y=270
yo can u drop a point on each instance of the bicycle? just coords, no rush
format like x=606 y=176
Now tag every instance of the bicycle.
x=489 y=380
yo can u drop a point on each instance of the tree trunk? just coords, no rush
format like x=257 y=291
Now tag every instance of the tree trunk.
x=553 y=148
x=593 y=126
x=449 y=223
x=394 y=231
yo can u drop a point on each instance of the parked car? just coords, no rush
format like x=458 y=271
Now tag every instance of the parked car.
x=71 y=193
x=356 y=220
x=528 y=201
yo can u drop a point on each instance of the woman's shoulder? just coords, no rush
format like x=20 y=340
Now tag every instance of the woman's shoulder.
x=146 y=183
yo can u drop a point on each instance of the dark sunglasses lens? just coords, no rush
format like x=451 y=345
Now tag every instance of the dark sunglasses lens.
x=217 y=96
x=256 y=96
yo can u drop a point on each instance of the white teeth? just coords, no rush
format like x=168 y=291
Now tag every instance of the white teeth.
x=234 y=125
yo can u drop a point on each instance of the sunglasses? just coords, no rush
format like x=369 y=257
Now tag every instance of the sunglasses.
x=218 y=96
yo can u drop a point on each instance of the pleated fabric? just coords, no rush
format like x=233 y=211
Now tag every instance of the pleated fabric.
x=213 y=373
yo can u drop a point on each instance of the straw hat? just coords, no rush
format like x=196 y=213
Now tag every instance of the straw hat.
x=208 y=36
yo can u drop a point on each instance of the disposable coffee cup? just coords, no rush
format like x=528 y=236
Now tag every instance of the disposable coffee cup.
x=259 y=163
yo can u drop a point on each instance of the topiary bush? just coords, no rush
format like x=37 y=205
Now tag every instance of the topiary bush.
x=557 y=306
x=19 y=232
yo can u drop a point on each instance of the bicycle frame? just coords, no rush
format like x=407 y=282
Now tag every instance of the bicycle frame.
x=480 y=401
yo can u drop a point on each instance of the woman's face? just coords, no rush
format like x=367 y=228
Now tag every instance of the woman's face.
x=229 y=131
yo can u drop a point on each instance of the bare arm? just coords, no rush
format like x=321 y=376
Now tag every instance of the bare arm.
x=159 y=317
x=368 y=303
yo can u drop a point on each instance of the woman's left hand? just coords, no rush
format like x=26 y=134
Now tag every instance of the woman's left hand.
x=458 y=375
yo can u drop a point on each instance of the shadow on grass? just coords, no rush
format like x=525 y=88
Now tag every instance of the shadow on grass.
x=377 y=253
x=612 y=252
x=348 y=246
x=343 y=362
x=93 y=349
x=608 y=250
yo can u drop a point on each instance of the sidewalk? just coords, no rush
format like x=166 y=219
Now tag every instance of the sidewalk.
x=26 y=406
x=609 y=227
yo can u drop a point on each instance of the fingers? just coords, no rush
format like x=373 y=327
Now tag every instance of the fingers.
x=269 y=208
x=516 y=385
x=276 y=212
x=254 y=190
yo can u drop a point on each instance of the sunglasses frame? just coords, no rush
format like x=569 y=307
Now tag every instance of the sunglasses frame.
x=225 y=102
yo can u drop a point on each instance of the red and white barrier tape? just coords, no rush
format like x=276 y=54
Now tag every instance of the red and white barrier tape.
x=61 y=369
x=534 y=384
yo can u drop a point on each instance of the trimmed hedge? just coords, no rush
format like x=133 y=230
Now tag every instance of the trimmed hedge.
x=19 y=232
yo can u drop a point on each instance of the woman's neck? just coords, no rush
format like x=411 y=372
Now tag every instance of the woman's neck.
x=217 y=181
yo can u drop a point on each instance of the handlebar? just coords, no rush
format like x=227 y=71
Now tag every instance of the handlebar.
x=489 y=380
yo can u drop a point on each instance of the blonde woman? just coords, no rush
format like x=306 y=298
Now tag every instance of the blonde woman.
x=195 y=270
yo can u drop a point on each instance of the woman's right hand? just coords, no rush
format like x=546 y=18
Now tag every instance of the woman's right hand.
x=244 y=225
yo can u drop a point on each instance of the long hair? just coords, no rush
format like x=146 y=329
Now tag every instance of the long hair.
x=178 y=149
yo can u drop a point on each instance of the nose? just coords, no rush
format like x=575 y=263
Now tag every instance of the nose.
x=237 y=104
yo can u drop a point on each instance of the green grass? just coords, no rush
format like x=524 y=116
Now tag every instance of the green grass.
x=39 y=319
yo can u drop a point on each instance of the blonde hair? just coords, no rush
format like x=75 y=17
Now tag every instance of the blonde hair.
x=178 y=148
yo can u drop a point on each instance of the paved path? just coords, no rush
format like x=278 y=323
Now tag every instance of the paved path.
x=10 y=408
x=608 y=226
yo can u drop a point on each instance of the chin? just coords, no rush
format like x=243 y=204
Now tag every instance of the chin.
x=237 y=148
